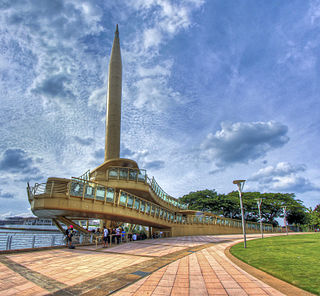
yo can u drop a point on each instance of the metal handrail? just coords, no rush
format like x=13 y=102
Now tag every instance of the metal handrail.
x=46 y=190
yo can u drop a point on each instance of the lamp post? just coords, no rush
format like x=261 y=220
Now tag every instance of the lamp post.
x=285 y=218
x=240 y=184
x=259 y=201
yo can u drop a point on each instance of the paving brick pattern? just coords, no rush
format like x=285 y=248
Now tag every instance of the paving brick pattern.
x=172 y=266
x=206 y=272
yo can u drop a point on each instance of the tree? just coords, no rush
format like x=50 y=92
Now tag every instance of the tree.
x=203 y=200
x=314 y=217
x=228 y=205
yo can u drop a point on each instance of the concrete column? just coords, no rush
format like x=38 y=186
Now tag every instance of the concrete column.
x=113 y=120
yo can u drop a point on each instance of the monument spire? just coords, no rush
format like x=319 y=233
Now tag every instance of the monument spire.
x=113 y=119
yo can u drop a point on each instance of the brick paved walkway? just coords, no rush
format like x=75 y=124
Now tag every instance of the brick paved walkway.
x=173 y=266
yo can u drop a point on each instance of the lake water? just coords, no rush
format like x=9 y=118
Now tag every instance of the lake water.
x=22 y=239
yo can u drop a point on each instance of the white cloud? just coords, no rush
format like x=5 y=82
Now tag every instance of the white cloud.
x=158 y=70
x=154 y=94
x=168 y=19
x=314 y=12
x=98 y=98
x=152 y=38
x=283 y=177
x=242 y=142
x=144 y=159
x=50 y=30
x=281 y=169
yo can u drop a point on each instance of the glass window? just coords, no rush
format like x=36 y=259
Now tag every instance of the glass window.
x=141 y=176
x=123 y=174
x=153 y=208
x=157 y=211
x=165 y=215
x=89 y=192
x=110 y=194
x=133 y=174
x=136 y=204
x=100 y=191
x=142 y=206
x=113 y=173
x=130 y=201
x=148 y=208
x=161 y=213
x=123 y=198
x=76 y=189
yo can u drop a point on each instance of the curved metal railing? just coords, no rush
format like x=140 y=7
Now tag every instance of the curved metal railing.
x=87 y=190
x=140 y=175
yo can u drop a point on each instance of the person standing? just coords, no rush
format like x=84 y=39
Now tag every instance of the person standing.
x=134 y=237
x=69 y=234
x=118 y=235
x=105 y=236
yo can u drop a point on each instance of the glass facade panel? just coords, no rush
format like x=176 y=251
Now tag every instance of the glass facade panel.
x=148 y=208
x=133 y=174
x=165 y=215
x=157 y=211
x=89 y=192
x=123 y=173
x=76 y=189
x=136 y=204
x=123 y=198
x=161 y=213
x=110 y=194
x=142 y=206
x=130 y=201
x=113 y=173
x=141 y=176
x=100 y=192
x=153 y=209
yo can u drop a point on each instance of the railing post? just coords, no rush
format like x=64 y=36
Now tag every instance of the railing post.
x=118 y=197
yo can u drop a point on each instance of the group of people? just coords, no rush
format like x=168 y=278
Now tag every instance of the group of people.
x=109 y=235
x=112 y=234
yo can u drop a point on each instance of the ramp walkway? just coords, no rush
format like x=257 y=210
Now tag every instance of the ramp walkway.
x=190 y=265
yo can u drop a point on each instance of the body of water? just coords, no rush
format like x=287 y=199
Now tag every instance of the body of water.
x=12 y=239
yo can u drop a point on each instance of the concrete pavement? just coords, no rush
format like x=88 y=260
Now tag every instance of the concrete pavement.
x=194 y=265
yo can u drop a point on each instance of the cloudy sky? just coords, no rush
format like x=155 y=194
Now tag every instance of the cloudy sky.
x=213 y=91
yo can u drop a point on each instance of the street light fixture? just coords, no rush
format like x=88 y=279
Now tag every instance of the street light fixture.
x=240 y=184
x=259 y=201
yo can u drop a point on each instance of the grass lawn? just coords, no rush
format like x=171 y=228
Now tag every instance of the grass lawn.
x=294 y=258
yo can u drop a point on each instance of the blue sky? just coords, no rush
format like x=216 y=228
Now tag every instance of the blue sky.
x=212 y=91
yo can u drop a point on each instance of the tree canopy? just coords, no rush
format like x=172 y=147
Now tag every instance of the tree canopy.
x=227 y=205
